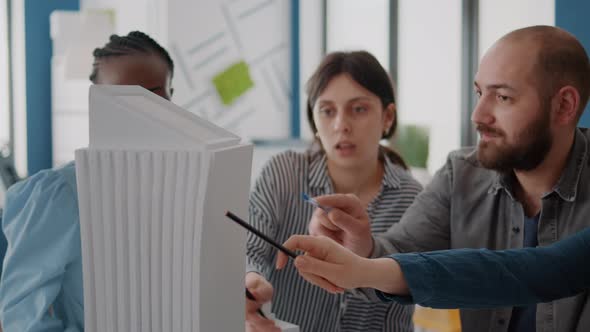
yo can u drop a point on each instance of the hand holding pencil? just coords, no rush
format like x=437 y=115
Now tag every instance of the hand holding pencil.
x=334 y=268
x=261 y=291
x=346 y=222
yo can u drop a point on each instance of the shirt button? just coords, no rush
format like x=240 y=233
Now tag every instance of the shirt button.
x=516 y=230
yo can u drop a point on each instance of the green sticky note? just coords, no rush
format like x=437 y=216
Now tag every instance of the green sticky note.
x=233 y=82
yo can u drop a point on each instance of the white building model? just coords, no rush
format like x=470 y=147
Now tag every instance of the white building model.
x=153 y=188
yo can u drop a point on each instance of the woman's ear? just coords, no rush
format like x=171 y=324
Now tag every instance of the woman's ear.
x=389 y=114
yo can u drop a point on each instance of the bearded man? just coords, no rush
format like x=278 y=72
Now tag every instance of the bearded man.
x=527 y=183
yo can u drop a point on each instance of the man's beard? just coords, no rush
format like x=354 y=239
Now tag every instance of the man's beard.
x=530 y=149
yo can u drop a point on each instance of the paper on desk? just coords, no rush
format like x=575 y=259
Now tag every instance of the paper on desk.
x=158 y=254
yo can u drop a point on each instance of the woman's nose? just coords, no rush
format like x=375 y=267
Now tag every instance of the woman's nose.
x=342 y=122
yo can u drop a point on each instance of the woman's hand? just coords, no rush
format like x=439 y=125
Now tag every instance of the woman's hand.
x=262 y=291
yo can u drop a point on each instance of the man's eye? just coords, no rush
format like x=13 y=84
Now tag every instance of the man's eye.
x=503 y=98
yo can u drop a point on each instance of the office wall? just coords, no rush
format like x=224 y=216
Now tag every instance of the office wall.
x=498 y=17
x=310 y=55
x=147 y=15
x=205 y=39
x=429 y=84
x=574 y=16
x=75 y=34
x=373 y=37
x=154 y=17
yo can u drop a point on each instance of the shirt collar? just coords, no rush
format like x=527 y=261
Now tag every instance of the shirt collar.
x=567 y=186
x=503 y=182
x=390 y=175
x=318 y=171
x=319 y=176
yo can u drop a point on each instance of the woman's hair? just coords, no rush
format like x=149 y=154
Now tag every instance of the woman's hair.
x=135 y=42
x=364 y=69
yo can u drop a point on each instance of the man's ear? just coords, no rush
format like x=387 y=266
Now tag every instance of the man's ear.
x=568 y=102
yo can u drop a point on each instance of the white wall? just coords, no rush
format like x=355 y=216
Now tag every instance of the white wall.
x=359 y=25
x=310 y=52
x=498 y=17
x=4 y=107
x=19 y=87
x=148 y=16
x=74 y=35
x=429 y=75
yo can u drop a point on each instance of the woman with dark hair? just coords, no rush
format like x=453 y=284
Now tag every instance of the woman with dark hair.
x=41 y=287
x=351 y=107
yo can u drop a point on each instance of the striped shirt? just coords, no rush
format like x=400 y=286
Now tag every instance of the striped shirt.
x=277 y=209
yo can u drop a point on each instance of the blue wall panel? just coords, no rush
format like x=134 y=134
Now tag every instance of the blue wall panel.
x=38 y=52
x=574 y=16
x=295 y=95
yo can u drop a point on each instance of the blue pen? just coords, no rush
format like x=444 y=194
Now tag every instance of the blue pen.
x=315 y=203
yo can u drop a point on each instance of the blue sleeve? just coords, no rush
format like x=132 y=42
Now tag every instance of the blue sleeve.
x=481 y=278
x=40 y=222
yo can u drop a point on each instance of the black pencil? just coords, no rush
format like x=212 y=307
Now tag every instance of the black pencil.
x=260 y=234
x=251 y=297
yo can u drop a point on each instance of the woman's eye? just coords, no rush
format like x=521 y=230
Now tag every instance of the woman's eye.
x=359 y=109
x=326 y=111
